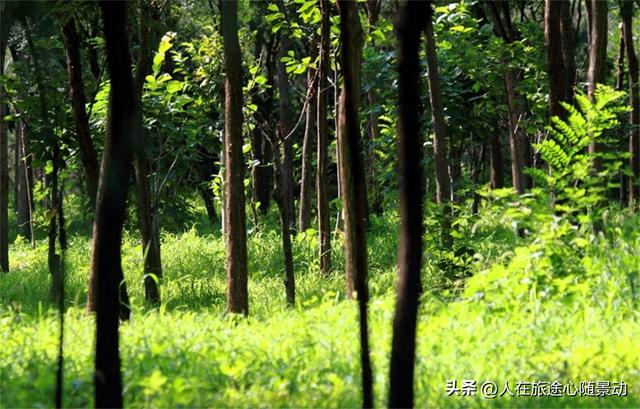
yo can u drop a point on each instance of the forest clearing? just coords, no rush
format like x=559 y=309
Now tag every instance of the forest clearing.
x=320 y=203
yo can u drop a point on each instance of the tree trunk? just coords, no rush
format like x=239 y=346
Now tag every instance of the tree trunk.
x=634 y=93
x=324 y=226
x=262 y=170
x=235 y=217
x=556 y=67
x=289 y=277
x=284 y=171
x=304 y=219
x=354 y=183
x=373 y=13
x=4 y=152
x=88 y=155
x=495 y=159
x=517 y=157
x=568 y=48
x=443 y=187
x=24 y=182
x=410 y=24
x=110 y=213
x=147 y=219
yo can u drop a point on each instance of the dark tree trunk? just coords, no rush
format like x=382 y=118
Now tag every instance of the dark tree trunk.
x=50 y=179
x=568 y=48
x=373 y=13
x=495 y=159
x=24 y=182
x=87 y=151
x=262 y=170
x=504 y=28
x=443 y=186
x=147 y=219
x=354 y=183
x=324 y=226
x=555 y=62
x=110 y=213
x=304 y=219
x=289 y=277
x=283 y=162
x=234 y=205
x=634 y=93
x=410 y=23
x=206 y=172
x=597 y=54
x=4 y=152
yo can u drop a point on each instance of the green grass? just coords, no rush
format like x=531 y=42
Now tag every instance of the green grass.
x=510 y=323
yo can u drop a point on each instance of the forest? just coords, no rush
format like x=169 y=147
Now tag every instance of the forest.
x=320 y=203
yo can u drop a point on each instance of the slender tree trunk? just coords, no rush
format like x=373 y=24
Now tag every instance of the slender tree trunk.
x=234 y=204
x=304 y=219
x=634 y=93
x=147 y=219
x=443 y=186
x=111 y=201
x=556 y=67
x=289 y=277
x=88 y=155
x=4 y=151
x=568 y=48
x=24 y=182
x=261 y=171
x=495 y=159
x=354 y=183
x=517 y=157
x=373 y=13
x=324 y=226
x=410 y=24
x=284 y=171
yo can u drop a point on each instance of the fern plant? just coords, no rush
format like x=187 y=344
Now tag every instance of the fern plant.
x=578 y=180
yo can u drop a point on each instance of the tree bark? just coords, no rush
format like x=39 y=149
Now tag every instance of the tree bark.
x=324 y=226
x=147 y=218
x=88 y=155
x=410 y=24
x=443 y=186
x=24 y=182
x=4 y=150
x=283 y=161
x=555 y=62
x=304 y=219
x=355 y=192
x=234 y=204
x=373 y=13
x=495 y=162
x=634 y=93
x=111 y=201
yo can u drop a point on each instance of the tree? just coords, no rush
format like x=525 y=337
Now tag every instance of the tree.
x=234 y=206
x=626 y=10
x=597 y=11
x=410 y=23
x=443 y=186
x=4 y=152
x=324 y=228
x=353 y=180
x=111 y=205
x=505 y=29
x=304 y=217
x=88 y=155
x=147 y=220
x=556 y=67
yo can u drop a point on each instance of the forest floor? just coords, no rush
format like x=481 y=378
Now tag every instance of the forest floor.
x=511 y=322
